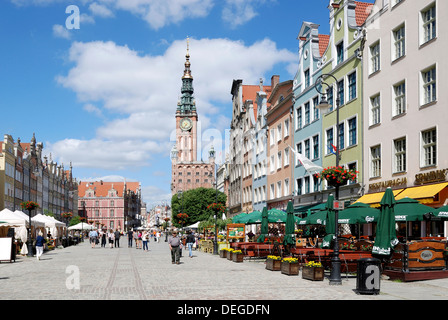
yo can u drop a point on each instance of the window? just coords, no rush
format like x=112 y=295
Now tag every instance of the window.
x=279 y=189
x=286 y=188
x=307 y=184
x=316 y=183
x=272 y=195
x=299 y=118
x=399 y=99
x=112 y=212
x=340 y=52
x=429 y=148
x=399 y=42
x=272 y=163
x=307 y=78
x=400 y=155
x=316 y=110
x=351 y=86
x=375 y=57
x=307 y=113
x=298 y=150
x=299 y=183
x=341 y=92
x=307 y=148
x=428 y=19
x=375 y=161
x=272 y=136
x=279 y=160
x=286 y=128
x=375 y=110
x=315 y=147
x=279 y=132
x=352 y=132
x=329 y=133
x=286 y=158
x=429 y=85
x=352 y=166
x=330 y=97
x=341 y=140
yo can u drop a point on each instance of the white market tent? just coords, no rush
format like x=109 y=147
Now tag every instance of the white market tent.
x=82 y=226
x=50 y=222
x=17 y=219
x=193 y=226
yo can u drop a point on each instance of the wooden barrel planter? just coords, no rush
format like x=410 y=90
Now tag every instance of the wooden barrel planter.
x=313 y=273
x=223 y=253
x=229 y=255
x=237 y=257
x=290 y=268
x=273 y=265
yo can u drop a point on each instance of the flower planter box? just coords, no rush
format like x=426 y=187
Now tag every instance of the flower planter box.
x=229 y=255
x=223 y=253
x=273 y=265
x=237 y=257
x=291 y=269
x=313 y=273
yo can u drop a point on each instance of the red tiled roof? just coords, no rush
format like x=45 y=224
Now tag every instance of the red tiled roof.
x=324 y=39
x=250 y=93
x=362 y=12
x=102 y=188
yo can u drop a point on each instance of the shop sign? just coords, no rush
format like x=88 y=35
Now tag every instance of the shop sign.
x=389 y=183
x=426 y=255
x=431 y=176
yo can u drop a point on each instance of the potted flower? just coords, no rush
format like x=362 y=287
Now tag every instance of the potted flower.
x=337 y=175
x=217 y=207
x=223 y=252
x=273 y=263
x=66 y=215
x=237 y=256
x=290 y=266
x=313 y=271
x=230 y=254
x=29 y=205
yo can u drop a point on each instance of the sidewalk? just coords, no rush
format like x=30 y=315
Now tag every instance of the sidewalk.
x=80 y=272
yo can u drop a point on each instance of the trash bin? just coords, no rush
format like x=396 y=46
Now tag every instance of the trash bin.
x=368 y=276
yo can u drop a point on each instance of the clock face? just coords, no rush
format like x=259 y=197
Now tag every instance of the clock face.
x=186 y=124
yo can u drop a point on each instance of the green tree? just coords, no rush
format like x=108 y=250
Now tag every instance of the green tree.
x=194 y=203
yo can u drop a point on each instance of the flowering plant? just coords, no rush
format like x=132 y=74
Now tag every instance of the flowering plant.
x=226 y=249
x=90 y=221
x=313 y=264
x=337 y=175
x=82 y=219
x=166 y=219
x=348 y=246
x=366 y=247
x=66 y=215
x=182 y=217
x=290 y=260
x=29 y=205
x=274 y=258
x=217 y=207
x=237 y=251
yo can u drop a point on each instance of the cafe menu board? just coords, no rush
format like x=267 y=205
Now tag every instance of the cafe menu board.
x=236 y=230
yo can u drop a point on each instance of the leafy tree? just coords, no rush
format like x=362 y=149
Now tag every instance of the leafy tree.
x=194 y=203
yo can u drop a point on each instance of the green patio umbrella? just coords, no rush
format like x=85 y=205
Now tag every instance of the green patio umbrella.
x=264 y=225
x=359 y=212
x=314 y=218
x=276 y=216
x=290 y=225
x=251 y=218
x=239 y=217
x=386 y=235
x=329 y=223
x=441 y=212
x=408 y=209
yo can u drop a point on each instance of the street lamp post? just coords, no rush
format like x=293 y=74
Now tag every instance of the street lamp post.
x=215 y=249
x=335 y=275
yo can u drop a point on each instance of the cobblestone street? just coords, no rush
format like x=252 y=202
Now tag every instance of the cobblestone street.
x=80 y=272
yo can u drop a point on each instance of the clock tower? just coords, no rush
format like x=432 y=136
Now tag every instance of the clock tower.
x=187 y=171
x=186 y=117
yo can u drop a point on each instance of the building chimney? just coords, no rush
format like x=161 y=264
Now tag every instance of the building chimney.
x=274 y=81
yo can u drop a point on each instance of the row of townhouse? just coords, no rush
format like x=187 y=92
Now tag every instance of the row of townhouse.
x=26 y=176
x=383 y=62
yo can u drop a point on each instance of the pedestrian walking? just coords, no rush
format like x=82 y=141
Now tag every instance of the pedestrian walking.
x=93 y=237
x=145 y=239
x=117 y=238
x=103 y=239
x=39 y=245
x=175 y=245
x=130 y=238
x=139 y=239
x=190 y=241
x=111 y=237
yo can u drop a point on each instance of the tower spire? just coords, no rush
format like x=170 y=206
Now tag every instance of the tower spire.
x=186 y=104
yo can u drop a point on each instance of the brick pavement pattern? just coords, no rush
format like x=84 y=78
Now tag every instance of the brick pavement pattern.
x=81 y=272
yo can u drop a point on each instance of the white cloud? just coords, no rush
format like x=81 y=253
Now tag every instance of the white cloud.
x=238 y=12
x=100 y=10
x=143 y=90
x=60 y=31
x=154 y=195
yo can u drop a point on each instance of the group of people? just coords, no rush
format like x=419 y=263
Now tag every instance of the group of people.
x=141 y=238
x=105 y=236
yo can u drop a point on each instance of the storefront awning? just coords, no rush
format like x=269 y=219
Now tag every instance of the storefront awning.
x=422 y=192
x=372 y=198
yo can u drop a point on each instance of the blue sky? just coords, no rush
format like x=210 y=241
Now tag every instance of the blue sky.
x=104 y=96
